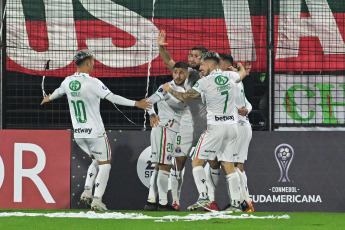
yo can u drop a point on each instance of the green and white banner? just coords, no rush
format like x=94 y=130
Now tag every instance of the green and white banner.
x=311 y=99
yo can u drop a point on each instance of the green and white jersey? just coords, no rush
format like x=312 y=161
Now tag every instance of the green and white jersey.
x=221 y=94
x=84 y=94
x=170 y=109
x=243 y=102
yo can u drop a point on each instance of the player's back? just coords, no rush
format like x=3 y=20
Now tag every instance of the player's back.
x=220 y=92
x=84 y=94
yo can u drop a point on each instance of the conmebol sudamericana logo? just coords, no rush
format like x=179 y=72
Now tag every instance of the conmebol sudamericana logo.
x=284 y=154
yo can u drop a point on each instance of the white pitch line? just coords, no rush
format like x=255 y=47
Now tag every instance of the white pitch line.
x=140 y=216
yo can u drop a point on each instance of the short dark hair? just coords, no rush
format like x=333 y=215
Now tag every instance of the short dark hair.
x=227 y=57
x=81 y=56
x=200 y=48
x=181 y=65
x=211 y=55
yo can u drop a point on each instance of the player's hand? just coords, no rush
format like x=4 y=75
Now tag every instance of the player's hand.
x=46 y=99
x=144 y=104
x=161 y=38
x=231 y=68
x=154 y=120
x=239 y=66
x=248 y=67
x=243 y=111
x=166 y=87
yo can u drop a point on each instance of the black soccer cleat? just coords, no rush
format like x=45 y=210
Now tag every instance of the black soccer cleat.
x=166 y=207
x=150 y=206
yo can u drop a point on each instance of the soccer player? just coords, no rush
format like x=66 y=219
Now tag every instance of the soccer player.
x=221 y=133
x=194 y=122
x=163 y=137
x=84 y=93
x=244 y=133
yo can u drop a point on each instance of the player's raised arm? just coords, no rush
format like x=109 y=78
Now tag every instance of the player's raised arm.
x=165 y=55
x=185 y=97
x=241 y=71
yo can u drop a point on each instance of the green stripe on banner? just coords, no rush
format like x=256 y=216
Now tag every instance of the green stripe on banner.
x=34 y=10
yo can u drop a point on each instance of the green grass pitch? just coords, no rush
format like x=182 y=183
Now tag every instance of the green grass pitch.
x=298 y=221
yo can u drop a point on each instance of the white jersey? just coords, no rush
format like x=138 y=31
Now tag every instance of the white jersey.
x=220 y=90
x=197 y=106
x=170 y=109
x=243 y=102
x=84 y=94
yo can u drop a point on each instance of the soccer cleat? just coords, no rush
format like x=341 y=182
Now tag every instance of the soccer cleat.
x=201 y=203
x=86 y=198
x=244 y=205
x=150 y=206
x=234 y=208
x=97 y=205
x=166 y=207
x=250 y=208
x=226 y=207
x=176 y=206
x=212 y=207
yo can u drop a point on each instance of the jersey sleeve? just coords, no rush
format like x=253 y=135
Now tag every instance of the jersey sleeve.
x=100 y=89
x=59 y=92
x=235 y=76
x=200 y=85
x=159 y=95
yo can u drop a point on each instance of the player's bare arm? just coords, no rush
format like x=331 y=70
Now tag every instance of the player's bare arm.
x=241 y=71
x=154 y=120
x=165 y=55
x=46 y=99
x=143 y=104
x=185 y=97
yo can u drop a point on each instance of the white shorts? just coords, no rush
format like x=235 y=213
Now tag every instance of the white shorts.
x=198 y=131
x=244 y=137
x=97 y=147
x=184 y=141
x=217 y=139
x=162 y=145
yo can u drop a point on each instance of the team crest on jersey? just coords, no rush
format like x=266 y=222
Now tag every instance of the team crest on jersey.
x=169 y=157
x=178 y=149
x=221 y=80
x=74 y=85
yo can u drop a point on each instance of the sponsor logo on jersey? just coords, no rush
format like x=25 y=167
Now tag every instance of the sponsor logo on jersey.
x=98 y=153
x=210 y=151
x=85 y=130
x=74 y=85
x=104 y=87
x=224 y=118
x=75 y=94
x=223 y=88
x=221 y=80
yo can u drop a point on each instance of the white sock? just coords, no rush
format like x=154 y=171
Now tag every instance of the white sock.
x=240 y=175
x=91 y=176
x=176 y=184
x=234 y=187
x=163 y=186
x=212 y=179
x=200 y=181
x=102 y=180
x=246 y=193
x=153 y=190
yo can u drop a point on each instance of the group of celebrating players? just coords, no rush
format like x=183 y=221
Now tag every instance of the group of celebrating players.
x=204 y=106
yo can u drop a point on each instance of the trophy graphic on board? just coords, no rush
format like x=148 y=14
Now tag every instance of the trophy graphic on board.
x=284 y=155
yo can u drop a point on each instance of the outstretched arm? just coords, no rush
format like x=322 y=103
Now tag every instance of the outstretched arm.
x=185 y=97
x=165 y=55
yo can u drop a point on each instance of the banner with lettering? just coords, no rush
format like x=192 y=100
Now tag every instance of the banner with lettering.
x=308 y=34
x=311 y=99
